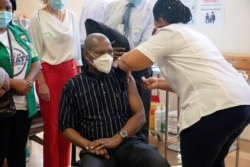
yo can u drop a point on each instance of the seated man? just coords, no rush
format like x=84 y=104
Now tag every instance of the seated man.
x=101 y=112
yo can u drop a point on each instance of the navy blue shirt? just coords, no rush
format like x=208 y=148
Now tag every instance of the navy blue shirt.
x=95 y=105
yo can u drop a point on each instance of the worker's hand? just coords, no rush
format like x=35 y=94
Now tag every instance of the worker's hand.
x=115 y=63
x=117 y=51
x=150 y=83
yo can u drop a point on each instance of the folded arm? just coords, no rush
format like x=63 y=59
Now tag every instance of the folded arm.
x=23 y=86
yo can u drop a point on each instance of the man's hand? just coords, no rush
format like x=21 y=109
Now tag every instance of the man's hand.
x=110 y=143
x=97 y=148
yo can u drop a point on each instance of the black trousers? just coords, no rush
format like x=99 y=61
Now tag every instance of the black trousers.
x=13 y=137
x=133 y=153
x=206 y=143
x=145 y=96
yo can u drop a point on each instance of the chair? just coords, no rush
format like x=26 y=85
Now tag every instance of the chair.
x=36 y=127
x=74 y=162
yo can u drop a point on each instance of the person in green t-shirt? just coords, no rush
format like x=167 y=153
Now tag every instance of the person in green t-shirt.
x=19 y=59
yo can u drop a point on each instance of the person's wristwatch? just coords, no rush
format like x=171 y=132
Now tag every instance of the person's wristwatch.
x=124 y=135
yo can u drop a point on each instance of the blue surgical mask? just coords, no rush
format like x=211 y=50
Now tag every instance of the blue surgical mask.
x=5 y=18
x=135 y=2
x=57 y=4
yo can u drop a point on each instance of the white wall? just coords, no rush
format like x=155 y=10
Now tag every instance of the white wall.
x=234 y=36
x=29 y=6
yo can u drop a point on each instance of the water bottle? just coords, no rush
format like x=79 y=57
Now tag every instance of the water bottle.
x=158 y=118
x=163 y=119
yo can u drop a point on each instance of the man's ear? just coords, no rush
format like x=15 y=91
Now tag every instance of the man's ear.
x=86 y=55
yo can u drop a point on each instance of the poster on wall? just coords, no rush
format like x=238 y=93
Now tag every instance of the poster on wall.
x=191 y=4
x=210 y=13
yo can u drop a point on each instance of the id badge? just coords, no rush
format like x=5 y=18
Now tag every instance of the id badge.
x=137 y=29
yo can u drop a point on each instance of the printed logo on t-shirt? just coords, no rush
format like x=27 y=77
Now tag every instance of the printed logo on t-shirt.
x=19 y=61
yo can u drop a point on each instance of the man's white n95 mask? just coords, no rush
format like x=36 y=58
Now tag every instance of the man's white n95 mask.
x=103 y=63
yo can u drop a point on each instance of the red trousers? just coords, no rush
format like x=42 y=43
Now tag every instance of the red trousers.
x=56 y=149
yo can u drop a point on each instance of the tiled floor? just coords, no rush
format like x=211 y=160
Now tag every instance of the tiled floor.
x=36 y=159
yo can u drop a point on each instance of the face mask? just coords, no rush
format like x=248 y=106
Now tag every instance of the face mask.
x=57 y=4
x=135 y=2
x=103 y=63
x=5 y=18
